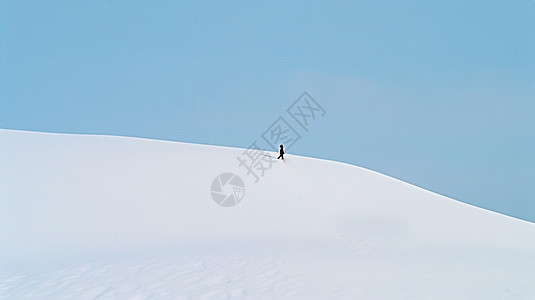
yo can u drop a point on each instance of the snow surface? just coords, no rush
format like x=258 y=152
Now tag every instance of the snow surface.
x=85 y=216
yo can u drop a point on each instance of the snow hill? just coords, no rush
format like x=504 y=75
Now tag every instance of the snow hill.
x=103 y=217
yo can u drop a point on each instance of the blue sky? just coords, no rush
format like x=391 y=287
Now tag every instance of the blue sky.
x=440 y=94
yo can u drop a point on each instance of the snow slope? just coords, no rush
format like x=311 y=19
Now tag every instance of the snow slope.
x=114 y=217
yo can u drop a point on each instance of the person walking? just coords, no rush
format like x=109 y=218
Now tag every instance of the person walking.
x=281 y=153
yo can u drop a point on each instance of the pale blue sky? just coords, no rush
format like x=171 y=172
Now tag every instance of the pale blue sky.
x=440 y=94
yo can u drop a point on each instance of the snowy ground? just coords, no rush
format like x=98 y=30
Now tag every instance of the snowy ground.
x=110 y=217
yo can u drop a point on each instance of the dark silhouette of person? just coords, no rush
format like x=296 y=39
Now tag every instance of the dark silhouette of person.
x=281 y=153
